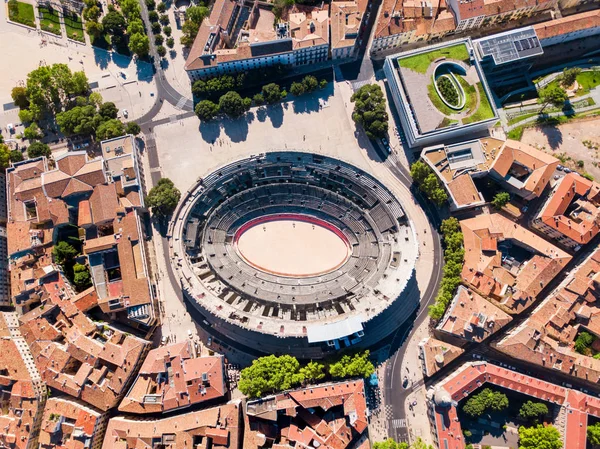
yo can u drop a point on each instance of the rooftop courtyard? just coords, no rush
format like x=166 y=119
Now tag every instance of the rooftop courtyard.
x=440 y=89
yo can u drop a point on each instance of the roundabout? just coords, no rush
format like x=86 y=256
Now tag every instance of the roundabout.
x=301 y=252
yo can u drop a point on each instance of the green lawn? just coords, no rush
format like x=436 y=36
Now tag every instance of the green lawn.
x=516 y=133
x=49 y=20
x=420 y=63
x=484 y=111
x=74 y=27
x=588 y=80
x=21 y=12
x=437 y=101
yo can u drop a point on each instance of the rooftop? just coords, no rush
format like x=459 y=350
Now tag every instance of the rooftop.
x=547 y=337
x=471 y=317
x=172 y=378
x=509 y=46
x=569 y=24
x=67 y=424
x=346 y=17
x=217 y=427
x=436 y=354
x=506 y=262
x=331 y=416
x=573 y=209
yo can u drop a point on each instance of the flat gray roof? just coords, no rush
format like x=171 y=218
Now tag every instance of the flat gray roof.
x=464 y=155
x=335 y=331
x=510 y=45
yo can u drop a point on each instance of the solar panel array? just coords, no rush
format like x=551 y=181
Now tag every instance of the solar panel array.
x=511 y=45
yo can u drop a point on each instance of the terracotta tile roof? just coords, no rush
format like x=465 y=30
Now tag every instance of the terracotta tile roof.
x=183 y=380
x=471 y=317
x=104 y=203
x=540 y=165
x=514 y=284
x=575 y=194
x=70 y=422
x=569 y=24
x=337 y=417
x=346 y=18
x=463 y=190
x=475 y=8
x=436 y=354
x=220 y=427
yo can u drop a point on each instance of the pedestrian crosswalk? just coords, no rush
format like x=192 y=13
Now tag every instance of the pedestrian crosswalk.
x=397 y=423
x=181 y=103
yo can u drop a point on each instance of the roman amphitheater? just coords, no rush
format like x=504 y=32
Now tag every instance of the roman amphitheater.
x=295 y=252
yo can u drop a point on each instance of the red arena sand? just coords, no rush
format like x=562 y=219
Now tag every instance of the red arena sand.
x=292 y=245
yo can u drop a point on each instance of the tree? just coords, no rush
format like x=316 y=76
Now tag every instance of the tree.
x=390 y=444
x=195 y=15
x=533 y=410
x=583 y=341
x=357 y=365
x=167 y=30
x=553 y=95
x=33 y=132
x=92 y=14
x=139 y=44
x=150 y=4
x=164 y=19
x=153 y=16
x=135 y=26
x=155 y=27
x=37 y=149
x=312 y=371
x=79 y=120
x=593 y=434
x=419 y=171
x=297 y=89
x=26 y=116
x=487 y=399
x=81 y=276
x=63 y=252
x=110 y=129
x=94 y=29
x=170 y=42
x=16 y=156
x=159 y=39
x=539 y=437
x=50 y=86
x=569 y=76
x=310 y=83
x=323 y=84
x=132 y=128
x=370 y=111
x=19 y=96
x=206 y=110
x=162 y=7
x=130 y=9
x=258 y=99
x=272 y=93
x=232 y=104
x=114 y=22
x=162 y=51
x=270 y=374
x=95 y=99
x=4 y=156
x=163 y=198
x=500 y=200
x=108 y=110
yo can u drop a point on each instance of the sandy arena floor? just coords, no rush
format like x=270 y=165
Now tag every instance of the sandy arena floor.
x=292 y=248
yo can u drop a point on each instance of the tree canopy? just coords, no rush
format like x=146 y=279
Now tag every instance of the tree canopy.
x=37 y=149
x=139 y=44
x=63 y=252
x=539 y=437
x=109 y=129
x=232 y=104
x=390 y=443
x=312 y=371
x=533 y=410
x=370 y=111
x=4 y=156
x=272 y=93
x=269 y=374
x=114 y=22
x=206 y=110
x=569 y=76
x=352 y=366
x=486 y=399
x=428 y=183
x=500 y=200
x=81 y=276
x=132 y=128
x=163 y=198
x=593 y=434
x=552 y=95
x=50 y=86
x=195 y=15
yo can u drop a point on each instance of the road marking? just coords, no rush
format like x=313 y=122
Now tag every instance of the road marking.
x=181 y=102
x=398 y=423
